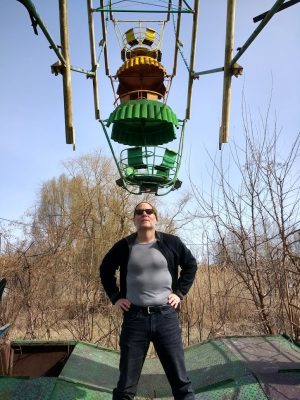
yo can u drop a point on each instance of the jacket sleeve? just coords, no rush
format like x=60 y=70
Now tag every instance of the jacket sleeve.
x=108 y=268
x=188 y=265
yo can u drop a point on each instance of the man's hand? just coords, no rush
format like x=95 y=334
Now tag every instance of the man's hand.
x=122 y=304
x=173 y=300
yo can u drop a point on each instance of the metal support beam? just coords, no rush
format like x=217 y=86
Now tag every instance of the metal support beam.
x=104 y=39
x=283 y=7
x=176 y=39
x=208 y=71
x=102 y=122
x=64 y=35
x=229 y=44
x=230 y=64
x=105 y=9
x=243 y=48
x=169 y=9
x=192 y=59
x=36 y=20
x=260 y=27
x=93 y=57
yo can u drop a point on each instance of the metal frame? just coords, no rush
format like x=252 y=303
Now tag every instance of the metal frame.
x=170 y=10
x=162 y=188
x=230 y=64
x=64 y=67
x=192 y=59
x=94 y=65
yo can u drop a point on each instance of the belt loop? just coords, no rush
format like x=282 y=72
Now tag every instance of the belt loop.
x=148 y=310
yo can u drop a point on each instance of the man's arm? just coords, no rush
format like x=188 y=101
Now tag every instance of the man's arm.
x=108 y=269
x=188 y=271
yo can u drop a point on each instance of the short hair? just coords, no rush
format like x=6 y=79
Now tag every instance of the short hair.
x=147 y=202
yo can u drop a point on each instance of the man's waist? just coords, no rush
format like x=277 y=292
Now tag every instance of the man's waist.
x=150 y=309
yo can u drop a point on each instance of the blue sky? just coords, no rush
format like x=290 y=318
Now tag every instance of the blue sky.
x=31 y=113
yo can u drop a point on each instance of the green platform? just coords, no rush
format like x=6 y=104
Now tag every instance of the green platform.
x=143 y=122
x=232 y=368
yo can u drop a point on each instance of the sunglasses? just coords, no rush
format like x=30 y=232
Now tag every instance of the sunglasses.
x=140 y=211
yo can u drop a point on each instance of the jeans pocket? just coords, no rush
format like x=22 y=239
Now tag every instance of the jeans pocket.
x=130 y=315
x=170 y=313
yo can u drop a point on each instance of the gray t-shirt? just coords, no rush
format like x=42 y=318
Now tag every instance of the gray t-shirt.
x=149 y=281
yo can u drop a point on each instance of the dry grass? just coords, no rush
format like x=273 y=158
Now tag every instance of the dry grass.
x=217 y=305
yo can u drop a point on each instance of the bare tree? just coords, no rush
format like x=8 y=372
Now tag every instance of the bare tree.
x=54 y=272
x=252 y=219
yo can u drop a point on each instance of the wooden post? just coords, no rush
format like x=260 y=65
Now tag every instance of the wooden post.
x=104 y=36
x=93 y=58
x=177 y=37
x=229 y=43
x=64 y=37
x=192 y=58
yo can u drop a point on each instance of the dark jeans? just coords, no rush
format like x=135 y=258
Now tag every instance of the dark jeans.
x=163 y=330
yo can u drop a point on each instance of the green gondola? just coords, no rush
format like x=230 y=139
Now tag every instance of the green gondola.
x=143 y=122
x=148 y=168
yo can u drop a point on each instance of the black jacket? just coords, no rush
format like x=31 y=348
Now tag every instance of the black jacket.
x=175 y=252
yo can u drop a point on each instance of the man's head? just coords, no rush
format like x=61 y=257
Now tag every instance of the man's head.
x=145 y=216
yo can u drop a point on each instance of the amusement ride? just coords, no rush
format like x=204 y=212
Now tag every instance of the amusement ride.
x=151 y=133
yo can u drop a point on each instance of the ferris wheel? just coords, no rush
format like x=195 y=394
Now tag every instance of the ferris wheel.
x=141 y=121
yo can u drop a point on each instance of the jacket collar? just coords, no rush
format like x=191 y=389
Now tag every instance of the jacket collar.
x=132 y=238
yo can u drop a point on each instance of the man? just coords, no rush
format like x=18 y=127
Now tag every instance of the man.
x=149 y=297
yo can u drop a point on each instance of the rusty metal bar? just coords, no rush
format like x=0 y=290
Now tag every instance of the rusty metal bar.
x=93 y=57
x=104 y=39
x=229 y=43
x=36 y=20
x=192 y=59
x=282 y=7
x=64 y=35
x=176 y=39
x=116 y=10
x=208 y=71
x=169 y=9
x=260 y=27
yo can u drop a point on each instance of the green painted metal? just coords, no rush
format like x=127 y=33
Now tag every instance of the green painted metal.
x=155 y=170
x=143 y=122
x=34 y=14
x=102 y=122
x=248 y=42
x=92 y=366
x=28 y=4
x=212 y=363
x=149 y=165
x=108 y=9
x=260 y=27
x=73 y=391
x=26 y=389
x=287 y=4
x=217 y=371
x=45 y=342
x=243 y=388
x=287 y=342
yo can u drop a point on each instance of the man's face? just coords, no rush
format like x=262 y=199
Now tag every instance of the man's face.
x=144 y=217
